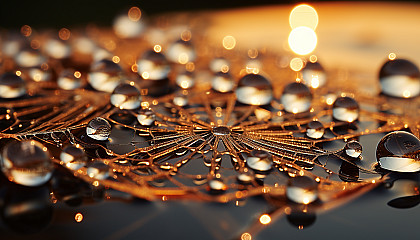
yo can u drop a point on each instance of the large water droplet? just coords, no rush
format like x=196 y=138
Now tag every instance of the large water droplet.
x=302 y=189
x=73 y=157
x=399 y=151
x=29 y=57
x=315 y=130
x=400 y=78
x=222 y=82
x=98 y=170
x=259 y=160
x=254 y=89
x=27 y=163
x=69 y=80
x=11 y=86
x=153 y=65
x=345 y=109
x=126 y=96
x=314 y=75
x=146 y=117
x=296 y=98
x=353 y=149
x=105 y=75
x=98 y=129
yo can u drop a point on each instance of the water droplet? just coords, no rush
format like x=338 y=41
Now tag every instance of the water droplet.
x=400 y=78
x=219 y=65
x=314 y=75
x=98 y=170
x=105 y=75
x=98 y=129
x=399 y=151
x=245 y=177
x=254 y=89
x=67 y=80
x=315 y=130
x=27 y=163
x=146 y=117
x=296 y=98
x=129 y=25
x=11 y=86
x=185 y=80
x=259 y=160
x=302 y=189
x=221 y=131
x=345 y=109
x=126 y=96
x=222 y=82
x=180 y=99
x=301 y=219
x=29 y=57
x=217 y=185
x=181 y=52
x=353 y=149
x=153 y=65
x=57 y=49
x=73 y=157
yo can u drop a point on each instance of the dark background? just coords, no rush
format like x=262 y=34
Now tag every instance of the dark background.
x=77 y=13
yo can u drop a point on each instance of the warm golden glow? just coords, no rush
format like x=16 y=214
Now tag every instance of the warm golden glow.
x=303 y=15
x=313 y=58
x=407 y=94
x=253 y=53
x=306 y=200
x=186 y=35
x=134 y=14
x=157 y=48
x=134 y=68
x=18 y=73
x=78 y=217
x=392 y=56
x=190 y=67
x=265 y=219
x=224 y=69
x=145 y=75
x=116 y=59
x=77 y=74
x=35 y=44
x=45 y=66
x=246 y=236
x=302 y=40
x=26 y=30
x=64 y=34
x=183 y=58
x=296 y=64
x=229 y=42
x=314 y=81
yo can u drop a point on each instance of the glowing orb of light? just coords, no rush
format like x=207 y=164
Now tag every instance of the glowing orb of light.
x=302 y=40
x=303 y=15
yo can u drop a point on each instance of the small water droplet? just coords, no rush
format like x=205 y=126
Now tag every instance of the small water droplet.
x=29 y=57
x=219 y=65
x=222 y=82
x=180 y=99
x=296 y=98
x=353 y=149
x=221 y=131
x=126 y=96
x=68 y=81
x=146 y=117
x=345 y=109
x=105 y=75
x=259 y=160
x=400 y=78
x=315 y=130
x=98 y=170
x=185 y=80
x=181 y=52
x=217 y=185
x=153 y=66
x=57 y=48
x=40 y=73
x=314 y=75
x=399 y=151
x=302 y=189
x=245 y=177
x=129 y=25
x=27 y=163
x=11 y=86
x=73 y=157
x=98 y=129
x=254 y=89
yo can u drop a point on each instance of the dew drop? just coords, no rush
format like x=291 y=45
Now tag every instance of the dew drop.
x=399 y=151
x=222 y=82
x=180 y=99
x=296 y=98
x=181 y=52
x=254 y=89
x=146 y=117
x=400 y=78
x=57 y=49
x=73 y=157
x=27 y=163
x=259 y=160
x=302 y=189
x=29 y=57
x=98 y=129
x=245 y=178
x=126 y=96
x=68 y=80
x=129 y=25
x=153 y=66
x=219 y=65
x=98 y=170
x=345 y=109
x=105 y=75
x=11 y=86
x=314 y=75
x=40 y=73
x=217 y=185
x=185 y=80
x=315 y=130
x=353 y=149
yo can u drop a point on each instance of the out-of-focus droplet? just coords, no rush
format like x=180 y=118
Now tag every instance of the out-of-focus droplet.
x=57 y=49
x=400 y=78
x=254 y=89
x=105 y=75
x=217 y=185
x=41 y=73
x=98 y=129
x=399 y=151
x=345 y=109
x=69 y=79
x=181 y=52
x=129 y=25
x=11 y=86
x=222 y=82
x=126 y=96
x=219 y=65
x=27 y=163
x=259 y=160
x=185 y=80
x=245 y=177
x=296 y=98
x=302 y=189
x=146 y=117
x=73 y=157
x=353 y=149
x=314 y=75
x=98 y=170
x=153 y=66
x=315 y=130
x=180 y=99
x=29 y=57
